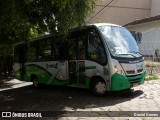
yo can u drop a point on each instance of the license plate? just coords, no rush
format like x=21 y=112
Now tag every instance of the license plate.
x=135 y=84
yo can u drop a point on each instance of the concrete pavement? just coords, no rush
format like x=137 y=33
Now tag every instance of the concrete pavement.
x=143 y=100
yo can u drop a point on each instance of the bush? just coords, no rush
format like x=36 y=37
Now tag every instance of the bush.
x=151 y=77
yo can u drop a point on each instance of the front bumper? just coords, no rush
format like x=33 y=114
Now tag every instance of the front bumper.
x=120 y=82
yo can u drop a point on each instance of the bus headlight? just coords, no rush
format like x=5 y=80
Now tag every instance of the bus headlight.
x=118 y=70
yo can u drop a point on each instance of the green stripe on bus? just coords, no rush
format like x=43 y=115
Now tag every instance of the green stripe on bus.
x=43 y=75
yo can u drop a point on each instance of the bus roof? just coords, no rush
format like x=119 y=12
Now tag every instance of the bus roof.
x=102 y=24
x=34 y=39
x=74 y=29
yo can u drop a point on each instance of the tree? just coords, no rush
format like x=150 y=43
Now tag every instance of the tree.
x=21 y=20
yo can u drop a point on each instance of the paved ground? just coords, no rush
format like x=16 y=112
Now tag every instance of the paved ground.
x=20 y=96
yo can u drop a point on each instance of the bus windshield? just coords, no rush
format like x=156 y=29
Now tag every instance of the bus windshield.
x=120 y=41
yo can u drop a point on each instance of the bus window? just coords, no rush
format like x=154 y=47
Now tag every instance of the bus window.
x=81 y=49
x=72 y=50
x=77 y=45
x=44 y=52
x=96 y=50
x=31 y=53
x=59 y=51
x=56 y=52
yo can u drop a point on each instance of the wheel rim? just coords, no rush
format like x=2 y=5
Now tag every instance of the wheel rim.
x=100 y=88
x=35 y=82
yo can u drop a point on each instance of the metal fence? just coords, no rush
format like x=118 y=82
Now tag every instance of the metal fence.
x=150 y=48
x=152 y=64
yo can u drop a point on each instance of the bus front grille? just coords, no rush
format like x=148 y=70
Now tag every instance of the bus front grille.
x=132 y=72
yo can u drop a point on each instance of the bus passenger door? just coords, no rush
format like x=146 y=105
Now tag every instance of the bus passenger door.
x=81 y=61
x=72 y=63
x=76 y=64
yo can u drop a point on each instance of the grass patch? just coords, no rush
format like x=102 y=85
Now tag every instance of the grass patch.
x=151 y=77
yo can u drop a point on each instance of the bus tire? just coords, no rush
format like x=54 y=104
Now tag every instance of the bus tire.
x=99 y=87
x=36 y=83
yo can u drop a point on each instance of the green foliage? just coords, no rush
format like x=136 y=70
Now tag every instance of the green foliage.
x=151 y=77
x=21 y=20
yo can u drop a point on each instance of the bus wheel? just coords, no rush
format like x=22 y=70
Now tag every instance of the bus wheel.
x=36 y=83
x=99 y=87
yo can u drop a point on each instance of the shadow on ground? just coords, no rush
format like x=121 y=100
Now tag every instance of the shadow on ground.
x=51 y=98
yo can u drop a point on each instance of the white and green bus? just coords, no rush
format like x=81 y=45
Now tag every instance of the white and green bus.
x=101 y=57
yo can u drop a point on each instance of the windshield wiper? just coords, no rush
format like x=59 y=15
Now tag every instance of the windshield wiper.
x=136 y=52
x=128 y=54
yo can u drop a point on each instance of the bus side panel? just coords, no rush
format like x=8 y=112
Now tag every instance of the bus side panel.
x=51 y=72
x=42 y=75
x=95 y=69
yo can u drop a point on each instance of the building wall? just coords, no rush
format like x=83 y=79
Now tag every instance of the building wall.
x=145 y=26
x=121 y=11
x=150 y=37
x=124 y=11
x=155 y=7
